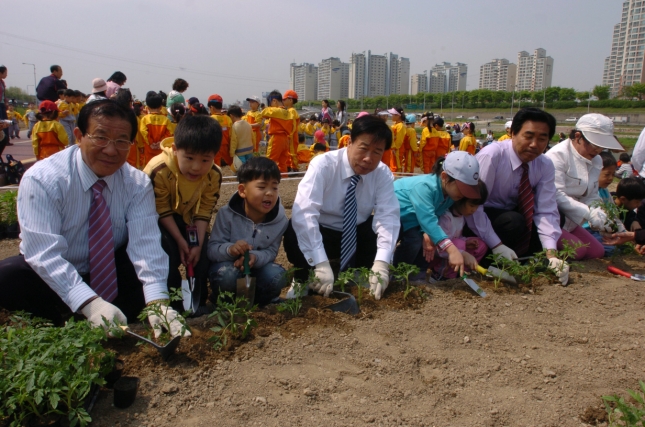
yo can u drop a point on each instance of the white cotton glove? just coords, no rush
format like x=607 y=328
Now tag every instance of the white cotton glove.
x=325 y=283
x=561 y=269
x=171 y=317
x=98 y=309
x=598 y=220
x=505 y=251
x=380 y=279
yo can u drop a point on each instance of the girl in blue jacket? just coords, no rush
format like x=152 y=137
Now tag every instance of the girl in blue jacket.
x=424 y=198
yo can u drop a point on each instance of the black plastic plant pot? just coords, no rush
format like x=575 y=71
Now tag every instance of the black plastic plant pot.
x=12 y=231
x=125 y=391
x=114 y=376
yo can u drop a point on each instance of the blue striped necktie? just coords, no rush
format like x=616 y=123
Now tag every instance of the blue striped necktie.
x=348 y=240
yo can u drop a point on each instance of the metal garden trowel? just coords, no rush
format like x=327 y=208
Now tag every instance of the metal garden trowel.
x=191 y=300
x=246 y=285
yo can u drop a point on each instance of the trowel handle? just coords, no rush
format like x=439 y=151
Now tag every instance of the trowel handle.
x=481 y=270
x=189 y=270
x=129 y=331
x=247 y=269
x=617 y=271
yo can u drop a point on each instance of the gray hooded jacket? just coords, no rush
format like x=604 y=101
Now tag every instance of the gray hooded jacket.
x=231 y=225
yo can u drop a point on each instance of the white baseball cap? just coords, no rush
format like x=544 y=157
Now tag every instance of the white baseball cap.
x=254 y=98
x=464 y=168
x=599 y=130
x=508 y=124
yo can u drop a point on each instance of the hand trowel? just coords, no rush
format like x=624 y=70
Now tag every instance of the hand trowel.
x=246 y=285
x=191 y=300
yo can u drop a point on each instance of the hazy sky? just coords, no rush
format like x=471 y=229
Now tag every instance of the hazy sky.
x=241 y=48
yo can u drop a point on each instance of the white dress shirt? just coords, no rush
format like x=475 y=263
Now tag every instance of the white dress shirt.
x=576 y=181
x=321 y=201
x=53 y=210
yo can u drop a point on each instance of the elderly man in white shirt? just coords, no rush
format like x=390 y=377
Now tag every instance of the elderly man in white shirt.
x=346 y=212
x=90 y=240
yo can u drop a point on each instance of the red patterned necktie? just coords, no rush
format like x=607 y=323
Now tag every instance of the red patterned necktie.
x=526 y=206
x=101 y=242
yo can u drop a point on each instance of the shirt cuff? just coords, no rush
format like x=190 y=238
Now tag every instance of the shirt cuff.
x=316 y=256
x=548 y=242
x=155 y=291
x=383 y=255
x=78 y=295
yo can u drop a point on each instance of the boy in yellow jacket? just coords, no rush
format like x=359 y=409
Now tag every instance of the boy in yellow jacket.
x=254 y=118
x=154 y=127
x=280 y=130
x=215 y=104
x=15 y=117
x=186 y=185
x=289 y=99
x=410 y=147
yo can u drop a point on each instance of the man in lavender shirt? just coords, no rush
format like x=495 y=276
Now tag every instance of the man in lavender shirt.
x=501 y=168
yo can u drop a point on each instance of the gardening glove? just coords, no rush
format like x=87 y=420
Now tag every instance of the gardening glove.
x=505 y=251
x=325 y=283
x=561 y=269
x=172 y=317
x=381 y=270
x=598 y=220
x=97 y=309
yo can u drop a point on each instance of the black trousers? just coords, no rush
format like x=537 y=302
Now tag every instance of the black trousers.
x=510 y=227
x=364 y=256
x=21 y=288
x=170 y=246
x=4 y=134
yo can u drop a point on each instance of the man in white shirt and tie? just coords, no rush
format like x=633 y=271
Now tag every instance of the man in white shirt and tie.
x=346 y=212
x=90 y=240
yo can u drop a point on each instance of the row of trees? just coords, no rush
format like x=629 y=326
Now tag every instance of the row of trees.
x=14 y=92
x=479 y=98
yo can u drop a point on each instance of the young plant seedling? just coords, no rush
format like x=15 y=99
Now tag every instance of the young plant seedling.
x=502 y=264
x=162 y=312
x=294 y=305
x=344 y=278
x=48 y=372
x=621 y=413
x=402 y=272
x=615 y=214
x=233 y=318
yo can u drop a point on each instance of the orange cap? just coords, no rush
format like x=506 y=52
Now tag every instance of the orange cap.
x=290 y=94
x=215 y=97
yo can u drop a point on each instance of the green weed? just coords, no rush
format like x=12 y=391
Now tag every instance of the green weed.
x=625 y=414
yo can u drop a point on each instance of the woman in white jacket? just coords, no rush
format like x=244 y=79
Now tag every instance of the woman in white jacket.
x=577 y=168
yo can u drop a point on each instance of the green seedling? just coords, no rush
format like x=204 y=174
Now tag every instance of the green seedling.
x=234 y=319
x=615 y=214
x=47 y=372
x=8 y=207
x=626 y=414
x=294 y=305
x=503 y=264
x=402 y=272
x=344 y=278
x=160 y=309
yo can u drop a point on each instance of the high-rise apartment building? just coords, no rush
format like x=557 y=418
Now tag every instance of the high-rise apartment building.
x=357 y=76
x=304 y=81
x=419 y=84
x=626 y=62
x=376 y=74
x=446 y=77
x=498 y=74
x=333 y=79
x=534 y=72
x=403 y=78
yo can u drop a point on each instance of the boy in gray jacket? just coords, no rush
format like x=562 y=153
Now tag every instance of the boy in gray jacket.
x=254 y=221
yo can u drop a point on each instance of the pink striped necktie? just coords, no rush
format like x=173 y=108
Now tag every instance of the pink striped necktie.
x=101 y=242
x=526 y=206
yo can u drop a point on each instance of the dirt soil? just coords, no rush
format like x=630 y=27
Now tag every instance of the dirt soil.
x=520 y=357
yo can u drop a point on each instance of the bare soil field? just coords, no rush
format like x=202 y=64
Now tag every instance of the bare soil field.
x=522 y=356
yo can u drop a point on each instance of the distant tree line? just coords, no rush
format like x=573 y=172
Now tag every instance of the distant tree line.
x=553 y=97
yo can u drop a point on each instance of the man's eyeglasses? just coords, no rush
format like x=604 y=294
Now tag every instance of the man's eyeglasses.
x=103 y=141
